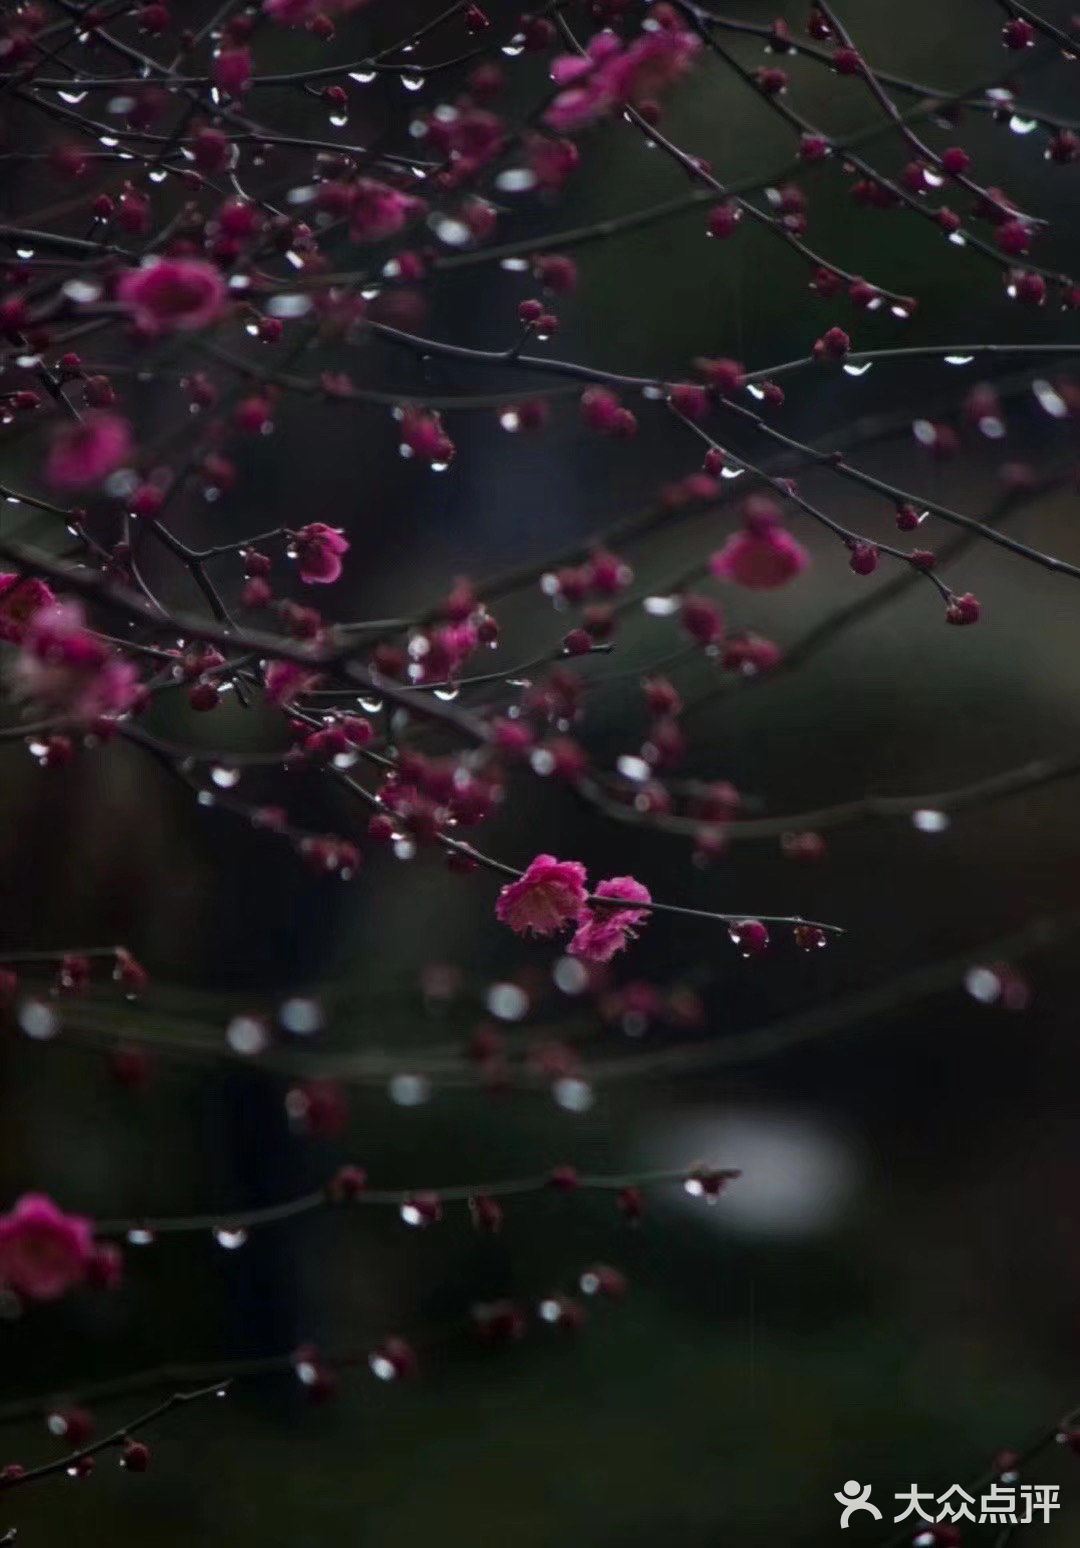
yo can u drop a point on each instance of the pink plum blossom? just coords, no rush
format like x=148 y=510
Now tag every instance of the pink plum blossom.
x=43 y=1252
x=66 y=669
x=547 y=897
x=763 y=555
x=86 y=451
x=378 y=211
x=20 y=598
x=320 y=550
x=174 y=294
x=612 y=75
x=423 y=435
x=603 y=932
x=290 y=13
x=286 y=682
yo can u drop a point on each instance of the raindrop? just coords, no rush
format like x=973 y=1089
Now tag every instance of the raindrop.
x=412 y=82
x=363 y=77
x=516 y=180
x=959 y=360
x=729 y=472
x=514 y=265
x=755 y=392
x=230 y=1237
x=225 y=778
x=455 y=233
x=857 y=370
x=1020 y=125
x=1050 y=400
x=370 y=703
x=247 y=1035
x=633 y=768
x=570 y=975
x=510 y=420
x=507 y=1001
x=575 y=1096
x=447 y=695
x=38 y=1020
x=927 y=820
x=983 y=984
x=660 y=607
x=82 y=291
x=301 y=1016
x=339 y=120
x=408 y=1090
x=139 y=1236
x=72 y=97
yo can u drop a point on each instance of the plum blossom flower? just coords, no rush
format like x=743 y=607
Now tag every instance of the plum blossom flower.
x=290 y=13
x=763 y=555
x=378 y=211
x=233 y=70
x=43 y=1252
x=174 y=294
x=85 y=452
x=286 y=682
x=611 y=74
x=67 y=670
x=423 y=436
x=320 y=550
x=549 y=895
x=20 y=598
x=603 y=932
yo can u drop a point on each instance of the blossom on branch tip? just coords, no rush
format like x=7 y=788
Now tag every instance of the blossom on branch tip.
x=320 y=550
x=547 y=897
x=43 y=1252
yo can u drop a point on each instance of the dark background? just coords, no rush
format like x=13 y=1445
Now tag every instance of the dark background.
x=891 y=1292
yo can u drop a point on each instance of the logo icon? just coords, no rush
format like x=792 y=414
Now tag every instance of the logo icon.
x=855 y=1496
